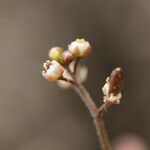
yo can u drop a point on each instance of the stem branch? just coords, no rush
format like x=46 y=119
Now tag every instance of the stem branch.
x=94 y=111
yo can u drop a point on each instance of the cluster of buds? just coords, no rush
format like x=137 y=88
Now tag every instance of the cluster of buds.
x=113 y=86
x=59 y=59
x=54 y=69
x=63 y=67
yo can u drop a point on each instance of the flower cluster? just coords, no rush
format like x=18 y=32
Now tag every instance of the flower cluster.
x=59 y=59
x=64 y=68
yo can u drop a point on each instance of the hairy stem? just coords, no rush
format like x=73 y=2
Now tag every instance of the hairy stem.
x=95 y=113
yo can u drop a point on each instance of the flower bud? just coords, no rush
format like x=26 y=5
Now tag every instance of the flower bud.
x=67 y=57
x=52 y=70
x=112 y=88
x=80 y=48
x=115 y=81
x=55 y=53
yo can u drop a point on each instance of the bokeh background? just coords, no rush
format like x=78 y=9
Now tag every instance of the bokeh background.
x=37 y=115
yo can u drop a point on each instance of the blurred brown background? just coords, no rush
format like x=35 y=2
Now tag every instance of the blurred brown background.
x=36 y=115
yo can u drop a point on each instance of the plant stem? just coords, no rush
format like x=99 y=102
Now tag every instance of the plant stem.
x=86 y=99
x=102 y=134
x=104 y=107
x=76 y=64
x=95 y=113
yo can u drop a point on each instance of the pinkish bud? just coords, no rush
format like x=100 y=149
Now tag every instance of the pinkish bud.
x=80 y=48
x=67 y=57
x=55 y=53
x=52 y=70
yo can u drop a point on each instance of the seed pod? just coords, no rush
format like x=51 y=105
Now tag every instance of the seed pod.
x=115 y=81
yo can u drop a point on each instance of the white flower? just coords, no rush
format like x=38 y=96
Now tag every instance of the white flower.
x=80 y=48
x=52 y=70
